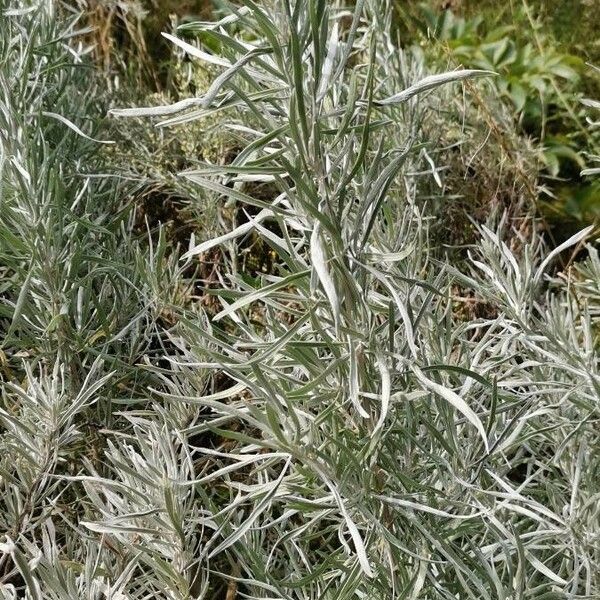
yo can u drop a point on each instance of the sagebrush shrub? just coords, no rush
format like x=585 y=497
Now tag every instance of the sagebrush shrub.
x=336 y=427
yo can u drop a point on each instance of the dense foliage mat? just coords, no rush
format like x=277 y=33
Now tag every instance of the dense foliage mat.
x=359 y=418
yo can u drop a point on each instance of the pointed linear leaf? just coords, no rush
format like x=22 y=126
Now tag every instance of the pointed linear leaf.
x=574 y=239
x=592 y=171
x=431 y=82
x=354 y=380
x=258 y=294
x=455 y=400
x=156 y=111
x=317 y=254
x=590 y=103
x=260 y=507
x=210 y=25
x=74 y=127
x=196 y=52
x=237 y=232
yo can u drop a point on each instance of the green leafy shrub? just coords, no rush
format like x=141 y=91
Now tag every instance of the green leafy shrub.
x=542 y=82
x=534 y=75
x=528 y=70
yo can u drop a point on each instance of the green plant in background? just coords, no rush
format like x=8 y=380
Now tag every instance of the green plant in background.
x=584 y=202
x=540 y=80
x=125 y=37
x=528 y=71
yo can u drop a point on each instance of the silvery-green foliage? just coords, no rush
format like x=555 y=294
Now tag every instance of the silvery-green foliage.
x=78 y=309
x=389 y=449
x=339 y=428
